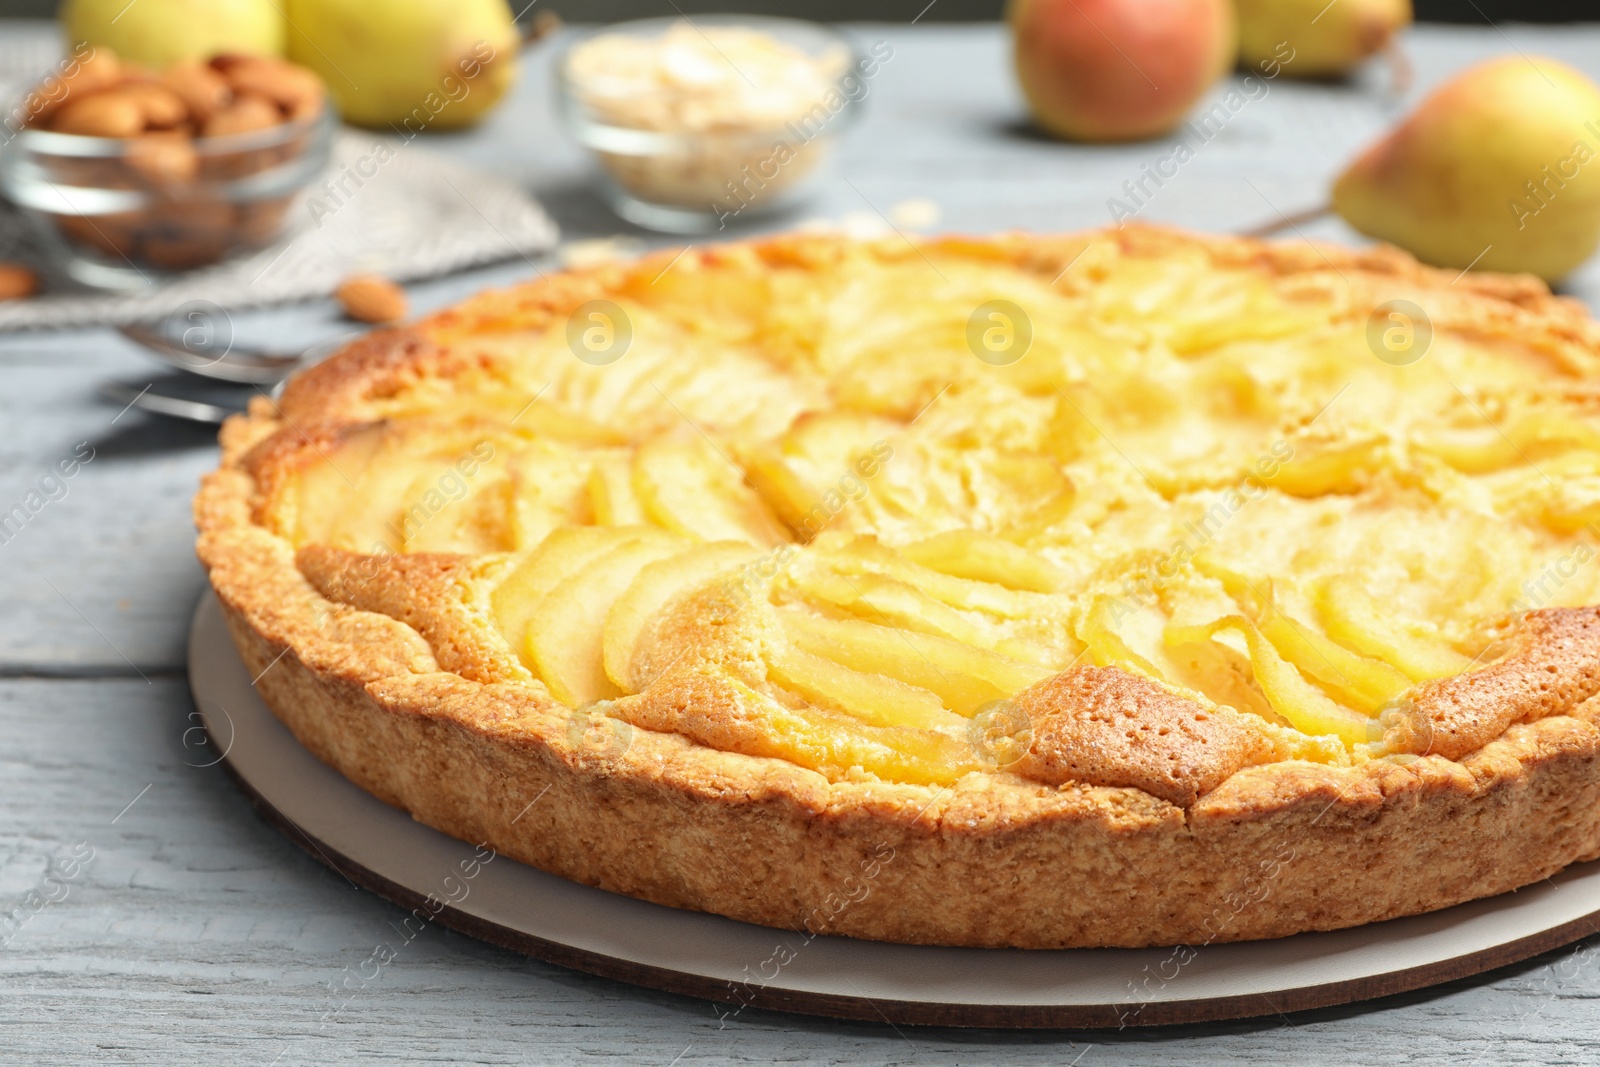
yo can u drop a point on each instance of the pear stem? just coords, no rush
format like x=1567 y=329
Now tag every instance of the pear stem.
x=1288 y=222
x=540 y=26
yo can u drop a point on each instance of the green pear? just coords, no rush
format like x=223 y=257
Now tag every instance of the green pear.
x=408 y=65
x=158 y=32
x=1496 y=169
x=1315 y=38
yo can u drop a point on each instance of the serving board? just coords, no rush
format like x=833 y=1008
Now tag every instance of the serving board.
x=440 y=879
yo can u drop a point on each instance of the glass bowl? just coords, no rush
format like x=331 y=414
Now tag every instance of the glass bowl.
x=120 y=213
x=723 y=145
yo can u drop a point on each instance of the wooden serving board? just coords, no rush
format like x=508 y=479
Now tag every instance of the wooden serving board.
x=436 y=878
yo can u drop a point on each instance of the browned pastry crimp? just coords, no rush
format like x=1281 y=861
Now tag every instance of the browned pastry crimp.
x=1105 y=726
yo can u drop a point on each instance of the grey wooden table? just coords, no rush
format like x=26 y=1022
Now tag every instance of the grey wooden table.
x=153 y=918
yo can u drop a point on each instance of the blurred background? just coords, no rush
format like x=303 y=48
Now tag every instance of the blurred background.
x=227 y=145
x=940 y=10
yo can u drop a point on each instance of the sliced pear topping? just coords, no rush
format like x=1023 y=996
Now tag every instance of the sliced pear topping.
x=1483 y=449
x=863 y=555
x=1361 y=682
x=1307 y=708
x=368 y=517
x=1318 y=470
x=461 y=506
x=1105 y=643
x=832 y=742
x=793 y=499
x=872 y=698
x=611 y=494
x=964 y=678
x=652 y=592
x=989 y=526
x=549 y=484
x=884 y=600
x=688 y=488
x=566 y=633
x=1356 y=619
x=561 y=555
x=324 y=486
x=984 y=557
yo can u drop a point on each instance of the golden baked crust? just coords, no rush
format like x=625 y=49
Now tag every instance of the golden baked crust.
x=1194 y=648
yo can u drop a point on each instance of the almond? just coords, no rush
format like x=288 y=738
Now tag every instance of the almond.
x=111 y=113
x=203 y=91
x=306 y=108
x=295 y=89
x=98 y=70
x=115 y=235
x=162 y=108
x=167 y=158
x=17 y=281
x=371 y=298
x=182 y=249
x=246 y=114
x=260 y=220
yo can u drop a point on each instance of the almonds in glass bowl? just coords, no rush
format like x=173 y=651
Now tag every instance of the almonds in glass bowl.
x=127 y=171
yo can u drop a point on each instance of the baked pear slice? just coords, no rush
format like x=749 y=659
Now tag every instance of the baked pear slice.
x=559 y=556
x=686 y=487
x=652 y=592
x=567 y=629
x=964 y=678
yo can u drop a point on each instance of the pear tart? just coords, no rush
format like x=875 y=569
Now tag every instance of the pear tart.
x=1116 y=589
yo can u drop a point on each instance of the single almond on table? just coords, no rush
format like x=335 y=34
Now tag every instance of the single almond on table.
x=105 y=114
x=203 y=91
x=246 y=114
x=371 y=298
x=17 y=281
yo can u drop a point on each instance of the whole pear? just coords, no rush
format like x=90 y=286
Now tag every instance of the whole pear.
x=156 y=33
x=1324 y=39
x=1497 y=169
x=408 y=64
x=1118 y=70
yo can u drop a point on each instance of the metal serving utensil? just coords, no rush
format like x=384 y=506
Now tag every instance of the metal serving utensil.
x=147 y=399
x=224 y=392
x=241 y=365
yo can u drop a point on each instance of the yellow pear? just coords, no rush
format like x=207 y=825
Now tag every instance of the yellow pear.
x=408 y=65
x=1496 y=169
x=1315 y=38
x=158 y=32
